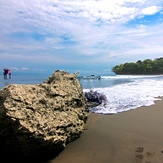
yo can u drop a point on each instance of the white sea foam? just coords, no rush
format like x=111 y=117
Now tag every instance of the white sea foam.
x=142 y=91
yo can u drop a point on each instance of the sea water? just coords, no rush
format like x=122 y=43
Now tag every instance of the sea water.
x=123 y=92
x=23 y=78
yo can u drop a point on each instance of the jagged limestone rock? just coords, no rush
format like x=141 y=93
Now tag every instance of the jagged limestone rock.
x=40 y=120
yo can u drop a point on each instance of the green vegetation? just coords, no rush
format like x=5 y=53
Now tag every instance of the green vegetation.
x=146 y=67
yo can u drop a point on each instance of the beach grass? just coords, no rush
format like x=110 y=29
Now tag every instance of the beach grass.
x=134 y=136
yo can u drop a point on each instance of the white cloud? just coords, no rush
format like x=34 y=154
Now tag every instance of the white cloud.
x=151 y=10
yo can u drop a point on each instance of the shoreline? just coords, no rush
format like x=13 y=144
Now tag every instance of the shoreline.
x=134 y=136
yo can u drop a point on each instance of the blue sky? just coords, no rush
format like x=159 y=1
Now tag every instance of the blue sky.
x=85 y=36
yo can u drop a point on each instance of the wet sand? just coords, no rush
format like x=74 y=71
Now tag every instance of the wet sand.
x=135 y=136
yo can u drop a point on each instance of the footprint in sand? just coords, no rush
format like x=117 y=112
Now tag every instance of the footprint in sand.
x=139 y=156
x=139 y=149
x=151 y=154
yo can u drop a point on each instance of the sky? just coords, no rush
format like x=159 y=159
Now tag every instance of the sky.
x=85 y=36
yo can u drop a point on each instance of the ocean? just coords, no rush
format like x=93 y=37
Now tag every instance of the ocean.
x=123 y=92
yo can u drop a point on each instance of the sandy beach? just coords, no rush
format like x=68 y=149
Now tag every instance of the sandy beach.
x=135 y=136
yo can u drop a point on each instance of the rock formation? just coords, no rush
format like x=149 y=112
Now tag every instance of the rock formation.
x=38 y=121
x=95 y=98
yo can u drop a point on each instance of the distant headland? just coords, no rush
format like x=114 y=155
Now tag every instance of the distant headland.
x=145 y=67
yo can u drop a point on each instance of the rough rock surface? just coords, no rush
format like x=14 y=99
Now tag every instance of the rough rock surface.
x=95 y=98
x=38 y=121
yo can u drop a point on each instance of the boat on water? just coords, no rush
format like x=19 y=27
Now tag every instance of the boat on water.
x=89 y=77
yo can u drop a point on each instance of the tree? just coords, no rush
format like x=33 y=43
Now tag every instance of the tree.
x=147 y=66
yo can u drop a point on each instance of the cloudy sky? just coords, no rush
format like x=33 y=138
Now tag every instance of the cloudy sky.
x=86 y=36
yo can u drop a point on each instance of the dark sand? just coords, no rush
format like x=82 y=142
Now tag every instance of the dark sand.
x=135 y=136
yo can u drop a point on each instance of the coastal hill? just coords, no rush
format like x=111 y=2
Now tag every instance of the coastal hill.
x=145 y=67
x=38 y=121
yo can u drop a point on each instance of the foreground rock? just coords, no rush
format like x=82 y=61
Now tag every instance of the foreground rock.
x=38 y=121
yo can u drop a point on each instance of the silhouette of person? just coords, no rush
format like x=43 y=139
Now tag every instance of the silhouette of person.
x=9 y=72
x=5 y=73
